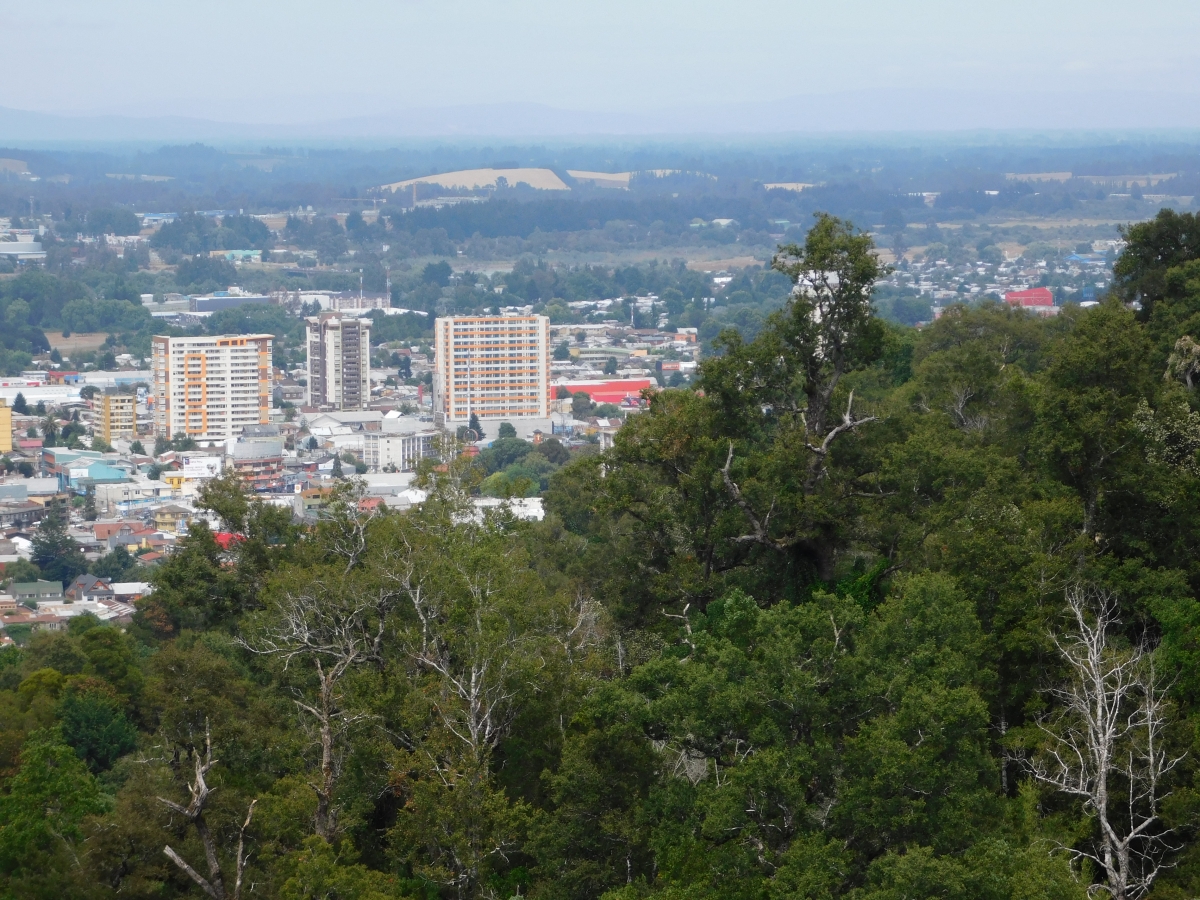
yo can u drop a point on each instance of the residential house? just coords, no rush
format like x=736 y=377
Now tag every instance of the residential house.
x=311 y=501
x=289 y=391
x=89 y=587
x=36 y=591
x=173 y=519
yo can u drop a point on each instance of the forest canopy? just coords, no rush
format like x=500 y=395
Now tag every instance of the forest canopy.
x=864 y=612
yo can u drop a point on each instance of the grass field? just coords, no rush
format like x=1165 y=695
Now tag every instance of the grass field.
x=76 y=342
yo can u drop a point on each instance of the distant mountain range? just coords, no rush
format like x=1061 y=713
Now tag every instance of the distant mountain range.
x=863 y=111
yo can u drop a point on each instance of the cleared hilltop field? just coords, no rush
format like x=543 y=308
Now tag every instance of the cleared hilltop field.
x=541 y=179
x=475 y=179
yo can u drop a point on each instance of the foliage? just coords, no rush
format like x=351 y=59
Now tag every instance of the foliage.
x=54 y=551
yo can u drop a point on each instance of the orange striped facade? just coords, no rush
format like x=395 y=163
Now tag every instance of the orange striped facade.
x=496 y=367
x=210 y=388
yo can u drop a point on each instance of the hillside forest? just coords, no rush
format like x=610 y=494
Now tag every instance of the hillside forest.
x=863 y=612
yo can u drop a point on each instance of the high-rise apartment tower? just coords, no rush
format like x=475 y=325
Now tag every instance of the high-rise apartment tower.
x=210 y=388
x=339 y=361
x=496 y=367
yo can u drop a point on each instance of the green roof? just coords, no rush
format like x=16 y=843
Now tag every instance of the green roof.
x=36 y=587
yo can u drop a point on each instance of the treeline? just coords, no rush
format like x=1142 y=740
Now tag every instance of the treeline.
x=279 y=178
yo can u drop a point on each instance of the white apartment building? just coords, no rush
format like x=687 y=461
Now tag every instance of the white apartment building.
x=403 y=451
x=210 y=388
x=497 y=367
x=339 y=362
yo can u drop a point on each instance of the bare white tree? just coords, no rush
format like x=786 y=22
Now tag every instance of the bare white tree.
x=478 y=634
x=193 y=813
x=348 y=521
x=1105 y=745
x=333 y=629
x=473 y=649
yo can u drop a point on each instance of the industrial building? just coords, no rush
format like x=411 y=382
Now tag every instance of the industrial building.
x=210 y=388
x=495 y=367
x=219 y=300
x=339 y=362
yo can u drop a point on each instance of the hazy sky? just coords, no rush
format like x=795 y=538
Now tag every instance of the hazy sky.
x=257 y=60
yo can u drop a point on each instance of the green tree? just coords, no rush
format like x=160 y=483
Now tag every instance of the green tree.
x=94 y=724
x=1088 y=398
x=1153 y=249
x=320 y=871
x=581 y=405
x=54 y=551
x=42 y=816
x=114 y=564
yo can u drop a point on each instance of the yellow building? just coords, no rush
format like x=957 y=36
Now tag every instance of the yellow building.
x=174 y=479
x=5 y=427
x=117 y=417
x=172 y=518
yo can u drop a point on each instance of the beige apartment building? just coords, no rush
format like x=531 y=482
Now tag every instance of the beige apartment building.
x=339 y=362
x=118 y=417
x=210 y=388
x=5 y=426
x=497 y=367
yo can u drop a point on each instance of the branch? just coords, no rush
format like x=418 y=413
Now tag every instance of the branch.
x=849 y=423
x=192 y=873
x=761 y=527
x=242 y=857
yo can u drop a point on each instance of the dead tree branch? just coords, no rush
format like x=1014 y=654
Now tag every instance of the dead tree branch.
x=1106 y=741
x=193 y=813
x=334 y=630
x=761 y=525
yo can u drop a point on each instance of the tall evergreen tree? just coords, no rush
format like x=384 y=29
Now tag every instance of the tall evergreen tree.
x=54 y=550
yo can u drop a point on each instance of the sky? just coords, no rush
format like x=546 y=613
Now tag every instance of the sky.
x=268 y=61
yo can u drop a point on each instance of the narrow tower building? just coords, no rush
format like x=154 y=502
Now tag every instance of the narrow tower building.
x=339 y=362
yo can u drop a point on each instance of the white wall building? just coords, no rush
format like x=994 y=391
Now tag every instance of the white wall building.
x=404 y=451
x=210 y=388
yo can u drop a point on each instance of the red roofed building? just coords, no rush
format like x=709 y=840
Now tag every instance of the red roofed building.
x=226 y=539
x=1038 y=300
x=616 y=391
